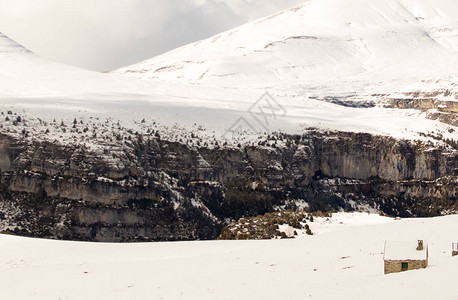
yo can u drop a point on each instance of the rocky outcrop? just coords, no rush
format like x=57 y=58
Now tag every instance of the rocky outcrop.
x=154 y=189
x=285 y=224
x=442 y=110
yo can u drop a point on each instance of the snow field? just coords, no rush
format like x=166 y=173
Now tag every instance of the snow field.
x=343 y=259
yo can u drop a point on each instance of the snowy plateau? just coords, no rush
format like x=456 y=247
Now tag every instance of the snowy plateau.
x=330 y=106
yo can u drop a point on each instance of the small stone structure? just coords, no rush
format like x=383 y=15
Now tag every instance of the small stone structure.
x=454 y=249
x=404 y=256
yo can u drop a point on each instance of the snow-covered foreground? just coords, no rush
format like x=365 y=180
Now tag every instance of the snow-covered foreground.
x=343 y=260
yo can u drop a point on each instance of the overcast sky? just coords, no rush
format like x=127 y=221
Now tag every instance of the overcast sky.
x=106 y=34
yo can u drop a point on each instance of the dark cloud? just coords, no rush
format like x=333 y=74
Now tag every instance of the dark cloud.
x=105 y=34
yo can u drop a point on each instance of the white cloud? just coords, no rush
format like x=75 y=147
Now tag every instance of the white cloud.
x=106 y=34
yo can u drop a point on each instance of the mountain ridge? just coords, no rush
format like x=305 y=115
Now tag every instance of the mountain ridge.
x=321 y=48
x=8 y=45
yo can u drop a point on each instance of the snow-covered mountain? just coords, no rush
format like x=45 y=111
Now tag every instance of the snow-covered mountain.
x=23 y=73
x=346 y=49
x=346 y=52
x=177 y=156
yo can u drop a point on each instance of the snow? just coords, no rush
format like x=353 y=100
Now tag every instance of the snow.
x=343 y=263
x=215 y=117
x=340 y=221
x=405 y=250
x=25 y=74
x=325 y=49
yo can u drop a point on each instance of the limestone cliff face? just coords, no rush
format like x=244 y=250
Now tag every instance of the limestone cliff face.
x=442 y=110
x=160 y=190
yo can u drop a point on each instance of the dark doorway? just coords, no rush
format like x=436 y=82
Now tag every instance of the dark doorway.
x=404 y=266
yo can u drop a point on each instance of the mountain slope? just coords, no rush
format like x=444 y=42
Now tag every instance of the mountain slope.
x=323 y=48
x=23 y=73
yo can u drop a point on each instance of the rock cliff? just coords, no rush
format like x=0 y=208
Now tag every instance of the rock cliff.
x=155 y=189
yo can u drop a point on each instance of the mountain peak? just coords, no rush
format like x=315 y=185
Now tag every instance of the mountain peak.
x=7 y=45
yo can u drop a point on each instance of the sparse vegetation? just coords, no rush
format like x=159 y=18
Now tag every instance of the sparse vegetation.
x=439 y=137
x=267 y=226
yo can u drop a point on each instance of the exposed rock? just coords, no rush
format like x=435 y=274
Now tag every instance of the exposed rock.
x=444 y=111
x=286 y=224
x=155 y=189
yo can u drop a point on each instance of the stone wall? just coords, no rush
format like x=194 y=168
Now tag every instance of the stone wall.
x=395 y=266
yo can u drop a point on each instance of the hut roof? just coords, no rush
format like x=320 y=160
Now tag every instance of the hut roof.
x=405 y=251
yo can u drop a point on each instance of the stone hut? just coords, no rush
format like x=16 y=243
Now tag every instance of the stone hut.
x=404 y=256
